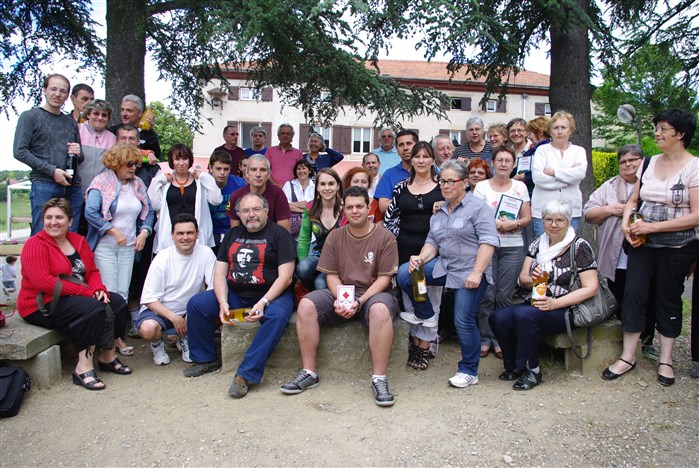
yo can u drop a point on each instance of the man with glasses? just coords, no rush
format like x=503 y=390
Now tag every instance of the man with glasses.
x=254 y=269
x=387 y=152
x=44 y=139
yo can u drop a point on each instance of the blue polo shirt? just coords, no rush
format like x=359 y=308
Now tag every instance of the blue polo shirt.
x=389 y=180
x=388 y=158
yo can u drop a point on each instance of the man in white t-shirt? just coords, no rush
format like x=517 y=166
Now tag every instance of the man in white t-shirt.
x=176 y=274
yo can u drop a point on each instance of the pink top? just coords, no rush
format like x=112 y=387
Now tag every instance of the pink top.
x=282 y=163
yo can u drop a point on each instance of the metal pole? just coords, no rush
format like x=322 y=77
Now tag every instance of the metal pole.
x=638 y=130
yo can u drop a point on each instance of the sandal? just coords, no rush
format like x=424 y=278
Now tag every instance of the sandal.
x=79 y=379
x=498 y=353
x=422 y=361
x=115 y=366
x=666 y=381
x=412 y=355
x=122 y=348
x=484 y=352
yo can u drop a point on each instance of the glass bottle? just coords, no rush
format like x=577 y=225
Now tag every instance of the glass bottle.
x=237 y=314
x=634 y=217
x=539 y=290
x=419 y=284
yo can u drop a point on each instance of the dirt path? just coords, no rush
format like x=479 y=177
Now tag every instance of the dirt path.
x=156 y=417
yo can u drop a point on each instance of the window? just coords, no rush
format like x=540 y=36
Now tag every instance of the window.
x=455 y=136
x=361 y=140
x=547 y=109
x=244 y=140
x=325 y=133
x=249 y=94
x=542 y=108
x=456 y=103
x=491 y=105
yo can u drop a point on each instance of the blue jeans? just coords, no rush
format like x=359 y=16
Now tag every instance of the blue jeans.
x=466 y=304
x=538 y=226
x=115 y=263
x=311 y=278
x=202 y=313
x=43 y=191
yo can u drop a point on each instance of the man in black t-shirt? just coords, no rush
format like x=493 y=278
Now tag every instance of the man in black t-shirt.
x=254 y=270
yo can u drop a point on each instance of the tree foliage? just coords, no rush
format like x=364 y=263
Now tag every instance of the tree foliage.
x=171 y=128
x=651 y=79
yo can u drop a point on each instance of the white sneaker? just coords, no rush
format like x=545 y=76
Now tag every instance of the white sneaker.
x=410 y=317
x=461 y=380
x=183 y=346
x=160 y=357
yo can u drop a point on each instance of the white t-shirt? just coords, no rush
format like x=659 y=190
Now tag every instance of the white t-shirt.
x=173 y=278
x=518 y=190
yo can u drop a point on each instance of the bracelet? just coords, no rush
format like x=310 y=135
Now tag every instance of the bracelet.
x=359 y=301
x=265 y=300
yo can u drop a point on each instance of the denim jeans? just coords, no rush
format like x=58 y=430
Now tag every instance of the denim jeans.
x=538 y=226
x=115 y=264
x=43 y=191
x=466 y=304
x=311 y=278
x=202 y=313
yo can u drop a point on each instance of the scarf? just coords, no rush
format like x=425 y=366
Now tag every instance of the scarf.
x=109 y=184
x=548 y=252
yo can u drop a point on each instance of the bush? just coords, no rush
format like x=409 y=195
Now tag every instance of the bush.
x=604 y=166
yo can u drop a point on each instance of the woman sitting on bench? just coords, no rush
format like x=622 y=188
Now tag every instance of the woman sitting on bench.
x=62 y=290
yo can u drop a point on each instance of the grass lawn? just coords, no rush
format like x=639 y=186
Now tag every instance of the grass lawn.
x=20 y=207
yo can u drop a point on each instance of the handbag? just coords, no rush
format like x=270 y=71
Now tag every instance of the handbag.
x=595 y=310
x=14 y=382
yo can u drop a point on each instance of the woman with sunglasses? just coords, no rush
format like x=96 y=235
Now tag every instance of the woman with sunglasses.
x=120 y=219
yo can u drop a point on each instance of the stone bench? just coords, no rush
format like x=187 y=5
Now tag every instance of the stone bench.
x=33 y=348
x=343 y=346
x=607 y=341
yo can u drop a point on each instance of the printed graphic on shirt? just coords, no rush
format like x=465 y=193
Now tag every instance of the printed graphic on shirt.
x=246 y=263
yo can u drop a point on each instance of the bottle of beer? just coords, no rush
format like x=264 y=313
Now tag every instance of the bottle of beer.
x=143 y=123
x=634 y=217
x=419 y=284
x=71 y=166
x=539 y=290
x=82 y=118
x=237 y=314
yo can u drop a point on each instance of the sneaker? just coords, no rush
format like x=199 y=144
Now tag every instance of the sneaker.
x=183 y=346
x=528 y=381
x=202 y=368
x=461 y=380
x=410 y=317
x=301 y=382
x=133 y=331
x=160 y=357
x=649 y=352
x=382 y=395
x=239 y=387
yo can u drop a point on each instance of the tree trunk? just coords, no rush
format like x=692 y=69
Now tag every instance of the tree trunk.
x=571 y=90
x=126 y=51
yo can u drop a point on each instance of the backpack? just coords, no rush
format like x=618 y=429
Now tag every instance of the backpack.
x=13 y=383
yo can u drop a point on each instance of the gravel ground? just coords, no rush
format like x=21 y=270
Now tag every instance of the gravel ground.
x=156 y=417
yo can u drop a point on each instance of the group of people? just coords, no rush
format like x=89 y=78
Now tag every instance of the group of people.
x=477 y=220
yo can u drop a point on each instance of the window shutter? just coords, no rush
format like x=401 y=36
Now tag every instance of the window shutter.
x=234 y=93
x=233 y=123
x=416 y=131
x=267 y=94
x=268 y=139
x=502 y=105
x=342 y=138
x=464 y=137
x=465 y=103
x=377 y=140
x=540 y=108
x=444 y=131
x=303 y=137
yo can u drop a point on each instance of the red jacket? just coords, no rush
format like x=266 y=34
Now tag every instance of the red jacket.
x=42 y=262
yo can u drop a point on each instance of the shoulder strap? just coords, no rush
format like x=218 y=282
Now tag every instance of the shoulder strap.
x=646 y=163
x=569 y=312
x=47 y=312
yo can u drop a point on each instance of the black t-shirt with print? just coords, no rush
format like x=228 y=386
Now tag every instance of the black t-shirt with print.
x=254 y=258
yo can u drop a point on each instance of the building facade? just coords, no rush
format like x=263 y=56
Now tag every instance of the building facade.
x=353 y=134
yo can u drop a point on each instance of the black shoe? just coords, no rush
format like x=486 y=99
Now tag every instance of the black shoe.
x=607 y=374
x=510 y=375
x=528 y=381
x=202 y=368
x=666 y=381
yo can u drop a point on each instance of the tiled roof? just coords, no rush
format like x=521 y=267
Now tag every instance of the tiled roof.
x=437 y=71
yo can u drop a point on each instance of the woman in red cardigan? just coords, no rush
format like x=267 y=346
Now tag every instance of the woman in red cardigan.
x=62 y=290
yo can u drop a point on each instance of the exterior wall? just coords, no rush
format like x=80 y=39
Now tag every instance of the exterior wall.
x=271 y=114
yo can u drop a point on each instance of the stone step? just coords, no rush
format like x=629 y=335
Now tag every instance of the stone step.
x=344 y=346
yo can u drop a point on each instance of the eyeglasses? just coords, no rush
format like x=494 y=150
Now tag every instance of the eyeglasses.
x=557 y=221
x=132 y=163
x=256 y=210
x=628 y=161
x=662 y=128
x=449 y=182
x=104 y=115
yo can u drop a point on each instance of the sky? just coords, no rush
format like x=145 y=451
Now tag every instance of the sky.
x=157 y=90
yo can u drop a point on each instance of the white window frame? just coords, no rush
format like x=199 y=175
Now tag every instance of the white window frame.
x=361 y=139
x=547 y=109
x=249 y=94
x=325 y=133
x=455 y=135
x=491 y=105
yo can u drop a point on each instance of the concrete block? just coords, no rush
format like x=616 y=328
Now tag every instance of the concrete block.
x=20 y=340
x=44 y=369
x=345 y=346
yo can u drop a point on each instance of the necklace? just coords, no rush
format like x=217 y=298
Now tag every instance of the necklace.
x=182 y=184
x=422 y=183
